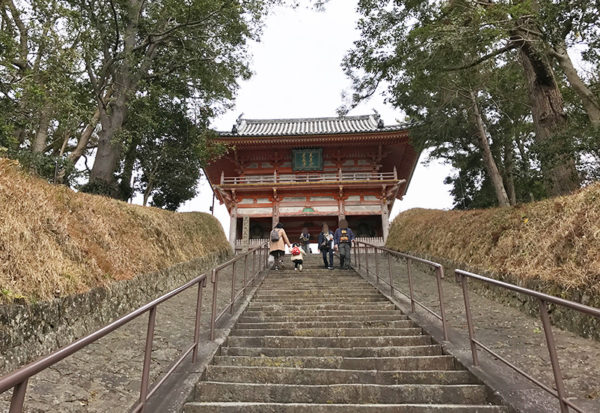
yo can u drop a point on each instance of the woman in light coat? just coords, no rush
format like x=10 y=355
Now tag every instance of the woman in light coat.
x=277 y=248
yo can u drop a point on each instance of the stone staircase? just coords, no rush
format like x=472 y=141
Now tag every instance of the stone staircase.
x=327 y=341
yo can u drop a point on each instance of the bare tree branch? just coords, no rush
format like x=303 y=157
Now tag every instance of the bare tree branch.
x=483 y=58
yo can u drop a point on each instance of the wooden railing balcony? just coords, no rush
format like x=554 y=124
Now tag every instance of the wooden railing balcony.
x=309 y=178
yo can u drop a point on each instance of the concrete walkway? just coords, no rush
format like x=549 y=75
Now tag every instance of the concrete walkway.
x=511 y=333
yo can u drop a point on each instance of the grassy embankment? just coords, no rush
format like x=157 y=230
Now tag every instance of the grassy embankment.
x=56 y=242
x=553 y=244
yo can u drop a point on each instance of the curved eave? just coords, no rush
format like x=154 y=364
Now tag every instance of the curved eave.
x=317 y=138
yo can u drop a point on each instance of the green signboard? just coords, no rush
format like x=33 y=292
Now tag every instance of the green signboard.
x=307 y=159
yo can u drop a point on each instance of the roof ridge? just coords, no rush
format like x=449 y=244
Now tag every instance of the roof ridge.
x=327 y=118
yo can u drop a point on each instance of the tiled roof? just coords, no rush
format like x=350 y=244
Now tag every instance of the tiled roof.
x=310 y=126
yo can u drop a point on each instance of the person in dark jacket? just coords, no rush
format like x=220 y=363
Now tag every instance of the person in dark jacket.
x=325 y=243
x=305 y=240
x=343 y=239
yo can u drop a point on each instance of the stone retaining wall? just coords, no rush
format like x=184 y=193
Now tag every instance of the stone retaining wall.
x=571 y=320
x=30 y=331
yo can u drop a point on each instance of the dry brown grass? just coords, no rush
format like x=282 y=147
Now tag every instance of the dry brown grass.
x=54 y=241
x=555 y=241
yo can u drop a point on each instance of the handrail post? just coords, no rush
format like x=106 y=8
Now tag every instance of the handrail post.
x=201 y=285
x=410 y=285
x=214 y=280
x=18 y=397
x=147 y=357
x=376 y=250
x=232 y=288
x=390 y=273
x=266 y=258
x=245 y=273
x=463 y=281
x=260 y=254
x=254 y=264
x=367 y=259
x=558 y=380
x=439 y=276
x=358 y=259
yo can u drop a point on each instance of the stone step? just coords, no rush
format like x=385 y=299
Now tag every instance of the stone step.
x=341 y=393
x=288 y=271
x=344 y=342
x=329 y=332
x=347 y=363
x=316 y=272
x=261 y=318
x=315 y=306
x=321 y=299
x=313 y=293
x=288 y=313
x=331 y=285
x=328 y=324
x=399 y=351
x=307 y=376
x=236 y=407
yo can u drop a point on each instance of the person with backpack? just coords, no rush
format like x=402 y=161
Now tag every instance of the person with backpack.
x=305 y=240
x=325 y=242
x=343 y=239
x=277 y=242
x=297 y=256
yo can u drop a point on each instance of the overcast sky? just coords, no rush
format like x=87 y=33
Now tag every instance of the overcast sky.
x=297 y=73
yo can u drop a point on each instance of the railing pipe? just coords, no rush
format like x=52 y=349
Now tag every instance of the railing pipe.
x=18 y=397
x=147 y=357
x=213 y=315
x=470 y=328
x=377 y=265
x=232 y=288
x=245 y=273
x=439 y=273
x=367 y=260
x=389 y=260
x=19 y=379
x=410 y=285
x=548 y=298
x=558 y=379
x=201 y=286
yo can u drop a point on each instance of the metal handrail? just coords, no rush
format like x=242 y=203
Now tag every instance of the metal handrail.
x=544 y=299
x=439 y=274
x=462 y=276
x=18 y=379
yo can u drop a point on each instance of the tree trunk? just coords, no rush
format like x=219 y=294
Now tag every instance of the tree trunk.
x=147 y=192
x=591 y=103
x=488 y=159
x=128 y=164
x=109 y=149
x=41 y=136
x=549 y=117
x=509 y=165
x=84 y=139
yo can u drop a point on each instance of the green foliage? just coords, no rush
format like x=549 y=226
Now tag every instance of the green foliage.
x=427 y=57
x=45 y=166
x=68 y=68
x=170 y=150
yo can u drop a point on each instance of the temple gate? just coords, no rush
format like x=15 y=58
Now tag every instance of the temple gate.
x=304 y=172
